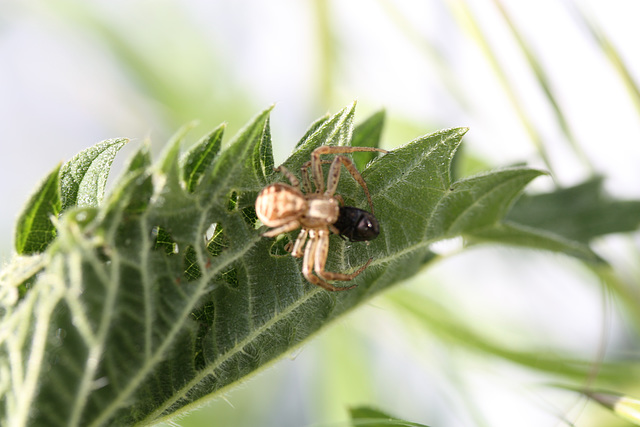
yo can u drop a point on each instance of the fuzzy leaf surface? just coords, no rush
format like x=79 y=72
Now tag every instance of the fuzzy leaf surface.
x=84 y=177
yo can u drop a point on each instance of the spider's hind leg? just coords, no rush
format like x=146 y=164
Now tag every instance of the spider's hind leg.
x=317 y=259
x=296 y=249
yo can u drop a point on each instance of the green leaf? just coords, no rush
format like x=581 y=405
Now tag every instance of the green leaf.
x=263 y=156
x=34 y=229
x=168 y=294
x=479 y=202
x=84 y=177
x=80 y=182
x=578 y=213
x=367 y=134
x=493 y=195
x=364 y=416
x=201 y=156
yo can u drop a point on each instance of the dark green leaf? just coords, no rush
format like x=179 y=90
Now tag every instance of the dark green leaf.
x=479 y=201
x=34 y=229
x=494 y=194
x=367 y=134
x=578 y=213
x=200 y=157
x=263 y=156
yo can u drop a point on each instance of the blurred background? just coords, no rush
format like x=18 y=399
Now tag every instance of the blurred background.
x=552 y=84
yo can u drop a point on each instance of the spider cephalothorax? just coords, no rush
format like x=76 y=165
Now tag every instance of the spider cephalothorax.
x=285 y=208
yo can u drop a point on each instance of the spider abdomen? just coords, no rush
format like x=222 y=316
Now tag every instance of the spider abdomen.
x=279 y=203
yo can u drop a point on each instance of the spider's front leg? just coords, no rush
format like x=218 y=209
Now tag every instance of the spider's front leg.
x=334 y=171
x=285 y=228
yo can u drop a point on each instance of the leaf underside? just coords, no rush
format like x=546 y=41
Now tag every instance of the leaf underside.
x=168 y=294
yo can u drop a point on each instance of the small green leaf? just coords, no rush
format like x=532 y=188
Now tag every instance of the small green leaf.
x=169 y=162
x=263 y=156
x=34 y=229
x=368 y=134
x=134 y=189
x=236 y=159
x=479 y=202
x=494 y=194
x=201 y=156
x=140 y=161
x=365 y=416
x=84 y=177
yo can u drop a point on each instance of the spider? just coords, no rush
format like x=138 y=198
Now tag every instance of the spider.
x=285 y=208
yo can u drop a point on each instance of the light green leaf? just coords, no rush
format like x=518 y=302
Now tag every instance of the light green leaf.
x=84 y=177
x=34 y=229
x=364 y=416
x=624 y=406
